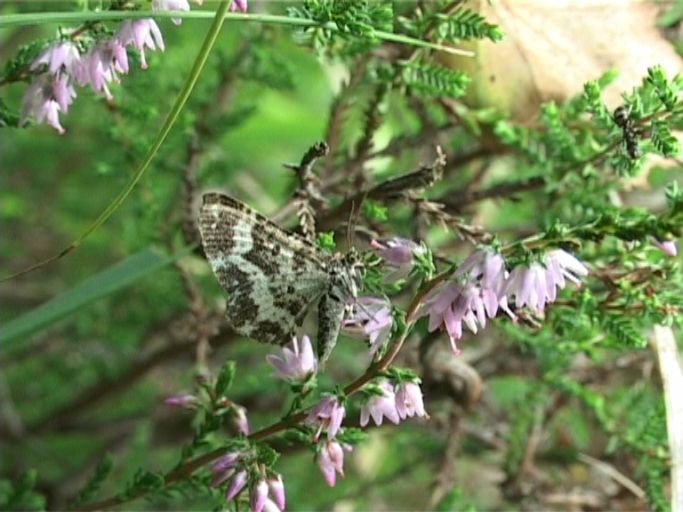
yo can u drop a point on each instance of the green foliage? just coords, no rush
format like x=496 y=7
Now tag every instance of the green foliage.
x=354 y=23
x=375 y=211
x=666 y=91
x=455 y=499
x=143 y=482
x=225 y=378
x=21 y=495
x=115 y=278
x=94 y=483
x=326 y=241
x=17 y=67
x=461 y=24
x=433 y=80
x=663 y=140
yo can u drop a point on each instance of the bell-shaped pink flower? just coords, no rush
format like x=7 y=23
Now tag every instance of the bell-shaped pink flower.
x=185 y=401
x=238 y=5
x=171 y=5
x=331 y=461
x=45 y=98
x=372 y=320
x=141 y=34
x=258 y=496
x=277 y=490
x=61 y=56
x=240 y=420
x=224 y=467
x=380 y=406
x=397 y=254
x=409 y=400
x=668 y=247
x=296 y=363
x=237 y=483
x=327 y=413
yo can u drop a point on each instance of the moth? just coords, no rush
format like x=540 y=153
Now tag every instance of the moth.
x=273 y=277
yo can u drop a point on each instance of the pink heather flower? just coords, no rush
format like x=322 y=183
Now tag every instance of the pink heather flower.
x=61 y=56
x=224 y=467
x=327 y=413
x=668 y=247
x=186 y=401
x=141 y=34
x=45 y=98
x=331 y=461
x=297 y=363
x=379 y=406
x=236 y=485
x=238 y=5
x=240 y=420
x=450 y=304
x=258 y=496
x=102 y=64
x=409 y=400
x=489 y=268
x=537 y=285
x=372 y=320
x=529 y=287
x=397 y=254
x=172 y=5
x=277 y=490
x=271 y=506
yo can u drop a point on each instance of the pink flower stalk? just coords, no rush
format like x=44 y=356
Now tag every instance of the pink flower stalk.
x=397 y=254
x=185 y=401
x=331 y=461
x=240 y=420
x=238 y=5
x=536 y=285
x=102 y=64
x=668 y=247
x=141 y=34
x=236 y=485
x=224 y=467
x=59 y=57
x=380 y=406
x=45 y=98
x=277 y=490
x=409 y=400
x=258 y=496
x=327 y=413
x=297 y=363
x=372 y=320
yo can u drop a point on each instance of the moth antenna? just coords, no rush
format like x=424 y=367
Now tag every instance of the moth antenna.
x=349 y=224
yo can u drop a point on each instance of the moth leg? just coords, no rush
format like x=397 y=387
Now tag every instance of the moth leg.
x=330 y=316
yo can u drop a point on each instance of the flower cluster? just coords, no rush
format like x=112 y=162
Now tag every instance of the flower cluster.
x=265 y=493
x=61 y=66
x=392 y=402
x=481 y=286
x=372 y=320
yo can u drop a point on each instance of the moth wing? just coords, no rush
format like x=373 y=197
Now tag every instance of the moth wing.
x=272 y=276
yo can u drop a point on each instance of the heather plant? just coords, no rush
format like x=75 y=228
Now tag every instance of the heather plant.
x=518 y=297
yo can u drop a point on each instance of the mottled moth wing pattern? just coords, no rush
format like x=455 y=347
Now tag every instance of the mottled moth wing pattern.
x=273 y=276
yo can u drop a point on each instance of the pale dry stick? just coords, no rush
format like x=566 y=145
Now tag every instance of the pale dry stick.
x=672 y=379
x=614 y=474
